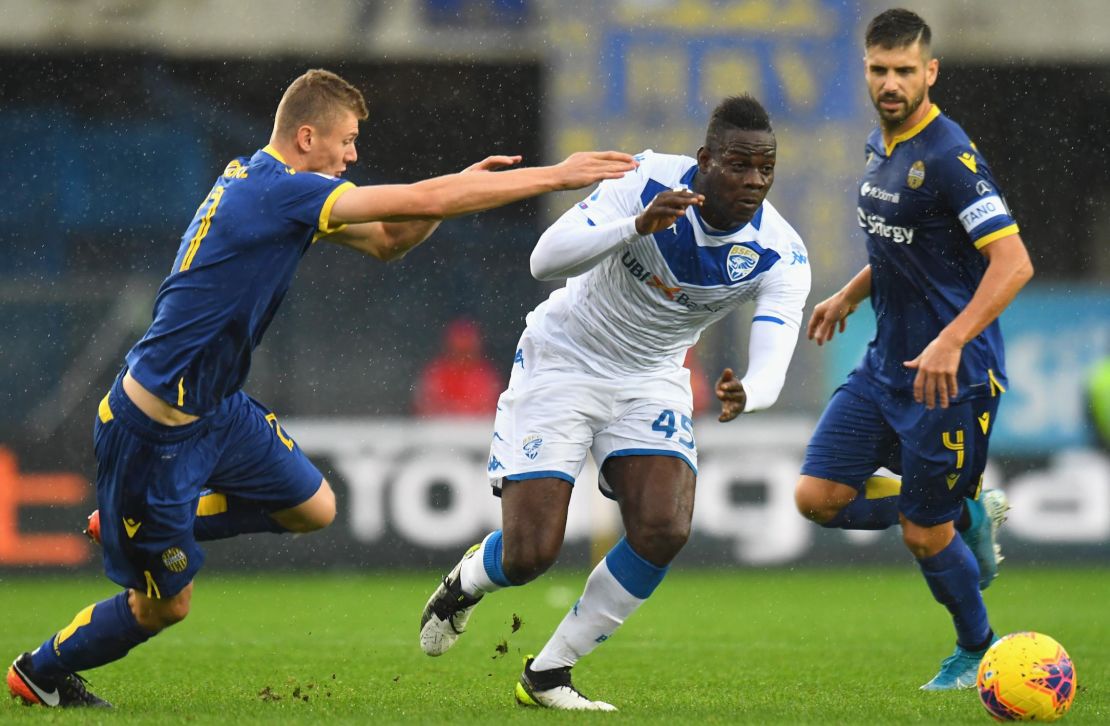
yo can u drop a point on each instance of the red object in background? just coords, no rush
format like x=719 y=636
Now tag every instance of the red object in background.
x=699 y=384
x=459 y=381
x=22 y=490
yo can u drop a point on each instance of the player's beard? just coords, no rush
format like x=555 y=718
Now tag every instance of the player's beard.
x=893 y=122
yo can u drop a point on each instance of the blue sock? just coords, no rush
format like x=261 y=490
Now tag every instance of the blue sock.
x=876 y=507
x=220 y=516
x=100 y=634
x=953 y=576
x=491 y=560
x=482 y=571
x=635 y=574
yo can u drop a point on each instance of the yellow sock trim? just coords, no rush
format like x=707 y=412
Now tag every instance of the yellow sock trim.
x=881 y=487
x=82 y=618
x=209 y=504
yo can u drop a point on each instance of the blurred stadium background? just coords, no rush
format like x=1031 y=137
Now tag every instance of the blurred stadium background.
x=119 y=113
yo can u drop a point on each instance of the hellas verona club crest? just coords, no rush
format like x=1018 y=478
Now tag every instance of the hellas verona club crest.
x=916 y=176
x=741 y=262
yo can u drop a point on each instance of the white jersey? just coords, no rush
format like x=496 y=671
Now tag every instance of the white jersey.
x=638 y=309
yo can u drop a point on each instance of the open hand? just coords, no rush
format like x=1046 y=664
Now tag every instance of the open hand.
x=731 y=394
x=829 y=317
x=585 y=168
x=665 y=209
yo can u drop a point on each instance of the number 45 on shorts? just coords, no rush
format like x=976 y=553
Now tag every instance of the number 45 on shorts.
x=666 y=423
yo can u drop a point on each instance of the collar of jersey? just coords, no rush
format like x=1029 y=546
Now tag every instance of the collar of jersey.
x=688 y=181
x=269 y=149
x=917 y=129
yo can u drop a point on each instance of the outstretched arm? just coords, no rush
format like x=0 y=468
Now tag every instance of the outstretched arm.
x=454 y=195
x=571 y=245
x=390 y=241
x=1008 y=269
x=831 y=314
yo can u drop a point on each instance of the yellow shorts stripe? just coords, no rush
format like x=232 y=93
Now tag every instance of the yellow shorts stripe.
x=152 y=586
x=105 y=411
x=996 y=387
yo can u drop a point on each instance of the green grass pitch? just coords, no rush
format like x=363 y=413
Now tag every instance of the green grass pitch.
x=759 y=647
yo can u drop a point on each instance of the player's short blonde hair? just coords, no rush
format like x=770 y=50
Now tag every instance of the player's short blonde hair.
x=317 y=98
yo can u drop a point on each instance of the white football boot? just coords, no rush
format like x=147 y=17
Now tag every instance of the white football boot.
x=447 y=612
x=553 y=689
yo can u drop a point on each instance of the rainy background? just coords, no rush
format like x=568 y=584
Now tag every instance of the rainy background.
x=118 y=115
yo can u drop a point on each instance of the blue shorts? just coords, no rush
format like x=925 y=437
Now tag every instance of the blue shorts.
x=149 y=478
x=940 y=454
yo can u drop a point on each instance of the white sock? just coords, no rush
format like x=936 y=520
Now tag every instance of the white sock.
x=604 y=605
x=474 y=578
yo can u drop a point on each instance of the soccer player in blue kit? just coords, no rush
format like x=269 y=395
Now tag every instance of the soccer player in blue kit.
x=176 y=420
x=944 y=261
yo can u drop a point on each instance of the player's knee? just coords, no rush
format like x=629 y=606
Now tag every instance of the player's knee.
x=814 y=503
x=924 y=542
x=155 y=614
x=659 y=542
x=525 y=563
x=916 y=544
x=323 y=513
x=317 y=513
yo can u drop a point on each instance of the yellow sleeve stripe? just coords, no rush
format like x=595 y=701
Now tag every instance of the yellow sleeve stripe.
x=987 y=239
x=325 y=211
x=105 y=411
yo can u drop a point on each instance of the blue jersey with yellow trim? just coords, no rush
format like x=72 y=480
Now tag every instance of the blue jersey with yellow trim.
x=927 y=204
x=233 y=267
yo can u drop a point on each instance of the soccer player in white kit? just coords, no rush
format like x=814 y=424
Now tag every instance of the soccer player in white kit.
x=651 y=260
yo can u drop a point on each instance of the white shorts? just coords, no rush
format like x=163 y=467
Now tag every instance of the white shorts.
x=555 y=411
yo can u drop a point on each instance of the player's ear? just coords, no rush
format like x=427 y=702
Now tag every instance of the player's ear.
x=305 y=137
x=703 y=159
x=932 y=69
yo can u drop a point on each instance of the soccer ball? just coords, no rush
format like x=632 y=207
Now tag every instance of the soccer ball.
x=1026 y=677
